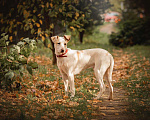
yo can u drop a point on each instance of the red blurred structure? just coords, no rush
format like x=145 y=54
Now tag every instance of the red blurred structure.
x=112 y=17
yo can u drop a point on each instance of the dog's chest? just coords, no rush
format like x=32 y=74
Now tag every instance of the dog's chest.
x=65 y=64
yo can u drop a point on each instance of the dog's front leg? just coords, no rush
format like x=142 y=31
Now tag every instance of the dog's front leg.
x=66 y=83
x=72 y=87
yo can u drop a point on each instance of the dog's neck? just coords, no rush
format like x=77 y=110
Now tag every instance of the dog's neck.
x=63 y=55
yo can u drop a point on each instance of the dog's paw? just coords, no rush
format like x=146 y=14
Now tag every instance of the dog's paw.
x=110 y=98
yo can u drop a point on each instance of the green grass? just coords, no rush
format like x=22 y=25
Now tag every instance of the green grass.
x=138 y=84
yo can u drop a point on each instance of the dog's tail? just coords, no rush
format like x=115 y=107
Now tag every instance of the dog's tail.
x=111 y=67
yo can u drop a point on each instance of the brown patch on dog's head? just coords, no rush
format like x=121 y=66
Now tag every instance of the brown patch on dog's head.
x=67 y=37
x=78 y=54
x=54 y=38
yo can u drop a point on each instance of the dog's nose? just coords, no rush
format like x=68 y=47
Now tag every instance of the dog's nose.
x=62 y=51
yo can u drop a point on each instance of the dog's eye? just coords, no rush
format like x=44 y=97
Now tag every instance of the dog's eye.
x=58 y=43
x=65 y=44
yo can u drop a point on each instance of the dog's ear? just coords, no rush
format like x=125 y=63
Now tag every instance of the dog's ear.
x=67 y=37
x=54 y=38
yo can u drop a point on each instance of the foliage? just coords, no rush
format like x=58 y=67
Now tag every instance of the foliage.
x=136 y=82
x=13 y=61
x=43 y=19
x=141 y=6
x=91 y=12
x=131 y=32
x=116 y=5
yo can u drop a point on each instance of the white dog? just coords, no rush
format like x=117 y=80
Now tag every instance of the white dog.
x=71 y=62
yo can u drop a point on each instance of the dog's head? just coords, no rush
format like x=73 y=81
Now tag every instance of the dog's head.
x=60 y=43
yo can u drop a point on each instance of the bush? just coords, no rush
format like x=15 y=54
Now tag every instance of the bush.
x=132 y=32
x=13 y=61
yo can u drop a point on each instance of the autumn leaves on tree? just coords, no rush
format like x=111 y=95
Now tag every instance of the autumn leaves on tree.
x=40 y=19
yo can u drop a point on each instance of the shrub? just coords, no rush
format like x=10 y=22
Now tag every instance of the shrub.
x=14 y=60
x=132 y=32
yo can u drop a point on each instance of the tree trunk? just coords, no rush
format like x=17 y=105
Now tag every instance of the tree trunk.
x=48 y=22
x=81 y=36
x=53 y=50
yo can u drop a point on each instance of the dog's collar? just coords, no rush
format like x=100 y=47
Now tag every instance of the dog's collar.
x=63 y=55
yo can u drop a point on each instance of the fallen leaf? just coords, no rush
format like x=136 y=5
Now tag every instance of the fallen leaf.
x=103 y=114
x=116 y=113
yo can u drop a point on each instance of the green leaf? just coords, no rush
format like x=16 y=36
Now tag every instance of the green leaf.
x=21 y=44
x=29 y=68
x=22 y=59
x=34 y=65
x=35 y=18
x=9 y=75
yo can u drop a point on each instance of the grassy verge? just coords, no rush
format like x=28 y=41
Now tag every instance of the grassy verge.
x=138 y=84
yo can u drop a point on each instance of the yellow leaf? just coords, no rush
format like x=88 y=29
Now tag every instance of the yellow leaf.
x=42 y=6
x=51 y=4
x=26 y=13
x=11 y=23
x=21 y=38
x=39 y=14
x=15 y=33
x=19 y=23
x=43 y=38
x=34 y=11
x=37 y=24
x=103 y=114
x=84 y=112
x=72 y=28
x=33 y=20
x=39 y=30
x=78 y=26
x=31 y=26
x=40 y=22
x=10 y=38
x=116 y=113
x=71 y=115
x=77 y=15
x=49 y=46
x=60 y=10
x=46 y=34
x=94 y=114
x=51 y=25
x=10 y=29
x=47 y=4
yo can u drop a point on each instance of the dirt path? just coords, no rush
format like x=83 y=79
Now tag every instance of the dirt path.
x=117 y=109
x=108 y=28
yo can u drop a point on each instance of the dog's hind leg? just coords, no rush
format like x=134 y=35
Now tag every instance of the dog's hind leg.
x=109 y=78
x=99 y=73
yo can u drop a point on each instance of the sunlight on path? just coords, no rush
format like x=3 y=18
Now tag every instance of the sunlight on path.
x=108 y=28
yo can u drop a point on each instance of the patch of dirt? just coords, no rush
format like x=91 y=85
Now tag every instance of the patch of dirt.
x=117 y=109
x=108 y=28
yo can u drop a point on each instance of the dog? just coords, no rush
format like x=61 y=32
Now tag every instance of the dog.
x=71 y=62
